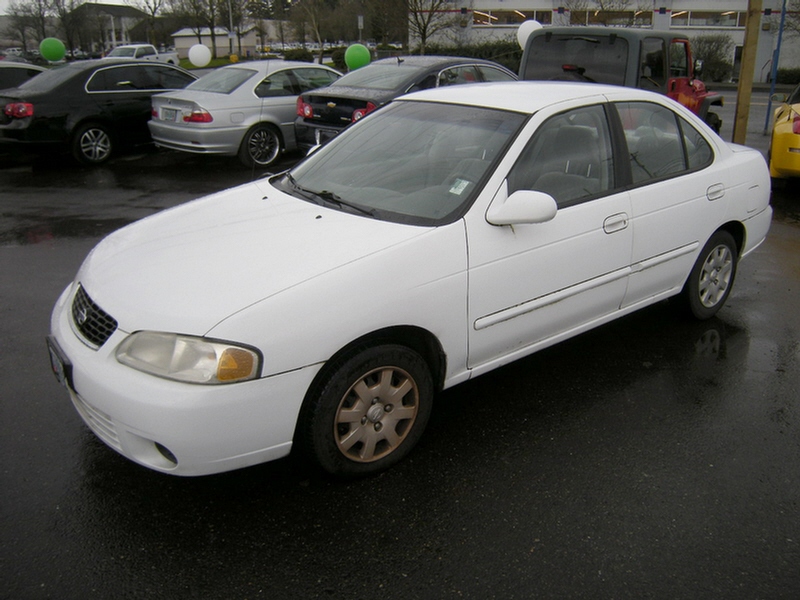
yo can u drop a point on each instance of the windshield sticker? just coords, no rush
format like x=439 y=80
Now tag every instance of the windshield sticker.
x=459 y=186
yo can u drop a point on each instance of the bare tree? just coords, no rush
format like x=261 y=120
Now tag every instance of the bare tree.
x=426 y=18
x=153 y=8
x=68 y=19
x=28 y=19
x=313 y=15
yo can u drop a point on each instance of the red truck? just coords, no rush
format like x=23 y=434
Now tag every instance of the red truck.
x=660 y=61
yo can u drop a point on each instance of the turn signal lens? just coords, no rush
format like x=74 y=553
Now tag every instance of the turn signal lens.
x=235 y=364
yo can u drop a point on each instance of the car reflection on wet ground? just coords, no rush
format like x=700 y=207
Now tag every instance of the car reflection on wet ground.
x=652 y=457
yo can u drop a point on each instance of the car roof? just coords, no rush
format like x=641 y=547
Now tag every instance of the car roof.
x=622 y=32
x=527 y=96
x=429 y=61
x=271 y=65
x=20 y=65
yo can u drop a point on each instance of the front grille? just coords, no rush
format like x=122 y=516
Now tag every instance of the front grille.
x=93 y=322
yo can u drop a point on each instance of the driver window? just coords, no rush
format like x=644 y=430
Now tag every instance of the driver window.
x=651 y=71
x=569 y=157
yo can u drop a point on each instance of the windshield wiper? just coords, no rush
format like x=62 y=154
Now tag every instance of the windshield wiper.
x=326 y=197
x=332 y=198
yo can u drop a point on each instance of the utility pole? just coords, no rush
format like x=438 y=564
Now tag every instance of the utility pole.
x=746 y=74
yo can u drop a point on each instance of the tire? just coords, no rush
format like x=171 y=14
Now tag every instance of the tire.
x=260 y=147
x=369 y=412
x=711 y=279
x=92 y=144
x=713 y=121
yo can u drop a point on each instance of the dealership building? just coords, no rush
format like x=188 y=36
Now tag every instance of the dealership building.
x=482 y=20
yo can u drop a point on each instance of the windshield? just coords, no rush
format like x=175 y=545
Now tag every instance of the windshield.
x=379 y=77
x=598 y=58
x=221 y=81
x=123 y=52
x=411 y=162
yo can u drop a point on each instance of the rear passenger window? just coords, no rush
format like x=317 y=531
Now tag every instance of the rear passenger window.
x=660 y=144
x=569 y=157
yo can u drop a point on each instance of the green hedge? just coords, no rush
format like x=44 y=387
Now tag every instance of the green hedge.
x=791 y=76
x=300 y=54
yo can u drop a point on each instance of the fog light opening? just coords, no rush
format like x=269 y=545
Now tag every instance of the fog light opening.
x=165 y=452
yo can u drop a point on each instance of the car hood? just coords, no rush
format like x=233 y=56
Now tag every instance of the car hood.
x=188 y=268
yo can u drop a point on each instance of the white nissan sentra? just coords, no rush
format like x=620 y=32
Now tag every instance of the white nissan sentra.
x=447 y=234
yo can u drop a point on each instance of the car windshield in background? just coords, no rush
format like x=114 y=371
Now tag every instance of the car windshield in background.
x=412 y=162
x=221 y=81
x=122 y=53
x=378 y=77
x=599 y=59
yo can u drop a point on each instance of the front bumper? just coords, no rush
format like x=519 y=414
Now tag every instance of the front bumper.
x=177 y=428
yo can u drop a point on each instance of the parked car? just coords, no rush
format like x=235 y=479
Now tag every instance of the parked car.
x=784 y=148
x=659 y=61
x=323 y=113
x=90 y=108
x=449 y=233
x=144 y=52
x=14 y=73
x=244 y=109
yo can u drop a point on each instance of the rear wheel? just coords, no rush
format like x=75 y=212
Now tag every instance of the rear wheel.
x=712 y=276
x=92 y=144
x=369 y=412
x=260 y=147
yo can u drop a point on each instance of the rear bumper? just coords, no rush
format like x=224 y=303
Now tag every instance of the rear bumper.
x=198 y=141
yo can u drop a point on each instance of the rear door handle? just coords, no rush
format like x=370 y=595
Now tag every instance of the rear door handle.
x=615 y=223
x=716 y=191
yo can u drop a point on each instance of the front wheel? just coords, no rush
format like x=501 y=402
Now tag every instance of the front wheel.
x=91 y=144
x=260 y=147
x=369 y=412
x=711 y=278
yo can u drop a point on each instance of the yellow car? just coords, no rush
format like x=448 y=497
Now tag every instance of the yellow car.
x=784 y=155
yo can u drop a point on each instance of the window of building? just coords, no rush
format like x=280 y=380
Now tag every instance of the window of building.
x=499 y=18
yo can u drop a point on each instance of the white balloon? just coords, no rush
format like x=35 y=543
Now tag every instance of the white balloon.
x=199 y=55
x=525 y=30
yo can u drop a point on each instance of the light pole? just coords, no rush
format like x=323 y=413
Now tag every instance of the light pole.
x=230 y=29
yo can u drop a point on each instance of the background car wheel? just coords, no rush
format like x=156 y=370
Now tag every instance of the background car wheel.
x=713 y=121
x=369 y=412
x=91 y=144
x=712 y=276
x=260 y=147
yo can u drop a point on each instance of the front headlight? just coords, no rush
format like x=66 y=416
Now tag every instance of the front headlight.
x=189 y=359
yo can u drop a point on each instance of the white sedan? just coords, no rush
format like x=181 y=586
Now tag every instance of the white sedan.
x=450 y=233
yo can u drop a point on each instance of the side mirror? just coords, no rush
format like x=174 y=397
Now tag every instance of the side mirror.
x=698 y=69
x=522 y=207
x=782 y=98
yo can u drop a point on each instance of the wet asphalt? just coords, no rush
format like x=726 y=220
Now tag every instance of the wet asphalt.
x=654 y=457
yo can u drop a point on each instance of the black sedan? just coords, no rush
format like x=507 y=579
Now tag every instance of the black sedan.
x=90 y=108
x=324 y=112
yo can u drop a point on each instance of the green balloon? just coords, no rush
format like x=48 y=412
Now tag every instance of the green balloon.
x=356 y=56
x=52 y=49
